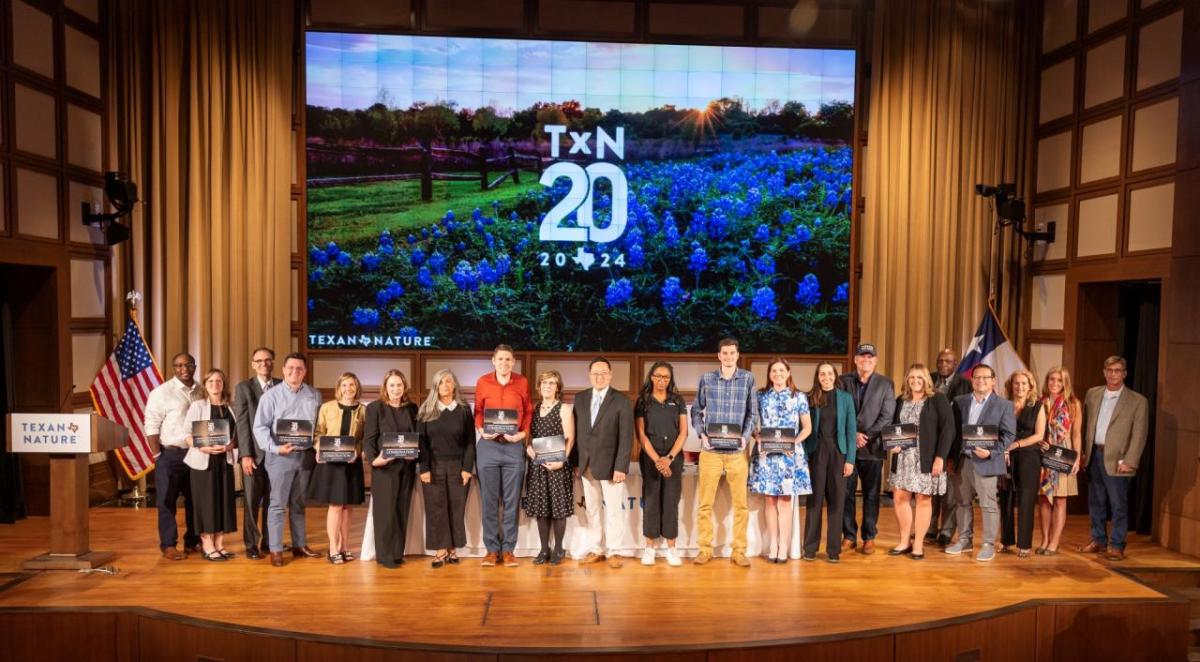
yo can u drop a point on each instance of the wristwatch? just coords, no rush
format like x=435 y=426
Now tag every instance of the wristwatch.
x=670 y=458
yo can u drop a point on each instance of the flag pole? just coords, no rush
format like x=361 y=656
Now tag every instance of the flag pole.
x=138 y=495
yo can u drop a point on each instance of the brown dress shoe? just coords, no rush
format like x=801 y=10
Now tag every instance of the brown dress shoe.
x=847 y=545
x=489 y=561
x=1091 y=548
x=304 y=551
x=702 y=558
x=277 y=559
x=868 y=547
x=1114 y=554
x=591 y=557
x=172 y=554
x=615 y=562
x=510 y=561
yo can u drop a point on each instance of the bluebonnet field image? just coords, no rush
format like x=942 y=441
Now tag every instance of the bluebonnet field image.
x=572 y=196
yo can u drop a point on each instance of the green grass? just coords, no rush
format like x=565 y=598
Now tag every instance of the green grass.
x=357 y=213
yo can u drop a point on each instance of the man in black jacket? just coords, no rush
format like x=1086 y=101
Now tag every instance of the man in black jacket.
x=874 y=403
x=950 y=384
x=256 y=487
x=604 y=440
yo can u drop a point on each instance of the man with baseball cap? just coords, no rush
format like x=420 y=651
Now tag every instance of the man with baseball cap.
x=874 y=403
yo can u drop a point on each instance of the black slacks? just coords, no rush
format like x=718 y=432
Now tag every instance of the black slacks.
x=445 y=505
x=391 y=496
x=829 y=490
x=660 y=498
x=1021 y=494
x=256 y=495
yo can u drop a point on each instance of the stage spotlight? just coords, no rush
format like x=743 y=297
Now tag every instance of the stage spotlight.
x=122 y=194
x=1011 y=210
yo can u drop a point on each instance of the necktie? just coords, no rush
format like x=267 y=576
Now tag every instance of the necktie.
x=596 y=400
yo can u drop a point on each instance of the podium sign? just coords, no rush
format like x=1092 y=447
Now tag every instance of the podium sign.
x=67 y=439
x=50 y=433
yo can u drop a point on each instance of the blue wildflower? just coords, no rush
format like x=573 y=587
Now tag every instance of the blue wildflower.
x=670 y=232
x=842 y=293
x=637 y=257
x=762 y=233
x=503 y=265
x=522 y=245
x=411 y=239
x=449 y=215
x=512 y=216
x=698 y=261
x=424 y=278
x=785 y=217
x=765 y=265
x=396 y=313
x=368 y=317
x=370 y=261
x=344 y=259
x=332 y=250
x=317 y=256
x=417 y=258
x=409 y=332
x=809 y=291
x=316 y=274
x=672 y=294
x=487 y=273
x=437 y=263
x=736 y=300
x=424 y=233
x=618 y=292
x=476 y=214
x=464 y=277
x=763 y=303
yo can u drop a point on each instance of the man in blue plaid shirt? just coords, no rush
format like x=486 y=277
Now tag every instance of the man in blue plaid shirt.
x=725 y=397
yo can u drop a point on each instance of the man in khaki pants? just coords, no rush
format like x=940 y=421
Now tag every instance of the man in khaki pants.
x=725 y=397
x=1117 y=421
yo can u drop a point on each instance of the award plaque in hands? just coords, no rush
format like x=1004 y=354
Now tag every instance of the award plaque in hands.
x=1059 y=458
x=336 y=449
x=214 y=432
x=979 y=436
x=724 y=437
x=900 y=436
x=400 y=446
x=777 y=440
x=549 y=449
x=297 y=432
x=501 y=421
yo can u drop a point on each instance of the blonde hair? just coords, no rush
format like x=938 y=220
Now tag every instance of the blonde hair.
x=929 y=389
x=224 y=384
x=543 y=376
x=1068 y=392
x=403 y=380
x=351 y=377
x=1033 y=388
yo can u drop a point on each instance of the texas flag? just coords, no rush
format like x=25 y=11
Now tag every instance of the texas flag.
x=991 y=346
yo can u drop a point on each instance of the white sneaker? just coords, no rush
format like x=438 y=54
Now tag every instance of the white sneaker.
x=673 y=559
x=648 y=556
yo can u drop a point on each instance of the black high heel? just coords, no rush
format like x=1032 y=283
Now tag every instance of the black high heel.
x=899 y=552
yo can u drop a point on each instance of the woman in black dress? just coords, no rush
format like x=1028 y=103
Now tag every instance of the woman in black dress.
x=660 y=421
x=391 y=479
x=1024 y=459
x=340 y=484
x=214 y=508
x=550 y=488
x=447 y=429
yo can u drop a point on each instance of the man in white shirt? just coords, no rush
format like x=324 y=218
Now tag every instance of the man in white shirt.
x=604 y=440
x=167 y=432
x=1117 y=424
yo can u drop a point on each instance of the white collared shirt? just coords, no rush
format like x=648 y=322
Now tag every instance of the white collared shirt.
x=1108 y=404
x=264 y=385
x=447 y=407
x=166 y=411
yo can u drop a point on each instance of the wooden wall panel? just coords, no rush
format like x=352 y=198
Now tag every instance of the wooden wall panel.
x=79 y=637
x=160 y=639
x=1116 y=632
x=1006 y=637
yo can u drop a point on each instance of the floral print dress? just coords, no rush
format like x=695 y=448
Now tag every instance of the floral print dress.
x=778 y=474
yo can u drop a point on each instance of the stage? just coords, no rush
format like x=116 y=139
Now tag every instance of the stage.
x=874 y=607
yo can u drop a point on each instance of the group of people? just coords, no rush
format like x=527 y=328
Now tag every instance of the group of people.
x=832 y=437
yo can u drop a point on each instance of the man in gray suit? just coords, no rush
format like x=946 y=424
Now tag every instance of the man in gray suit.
x=874 y=403
x=1117 y=422
x=604 y=439
x=256 y=486
x=979 y=468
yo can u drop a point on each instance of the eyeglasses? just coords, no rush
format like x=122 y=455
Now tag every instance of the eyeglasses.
x=261 y=361
x=1115 y=371
x=982 y=377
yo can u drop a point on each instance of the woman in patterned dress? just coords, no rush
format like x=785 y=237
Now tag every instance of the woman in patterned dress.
x=1064 y=414
x=919 y=470
x=780 y=476
x=550 y=488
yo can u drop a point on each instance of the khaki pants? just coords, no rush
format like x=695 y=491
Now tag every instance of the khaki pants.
x=736 y=470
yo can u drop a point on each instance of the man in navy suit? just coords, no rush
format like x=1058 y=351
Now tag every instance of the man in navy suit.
x=604 y=441
x=979 y=468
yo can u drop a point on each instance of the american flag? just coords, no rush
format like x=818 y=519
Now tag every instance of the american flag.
x=119 y=393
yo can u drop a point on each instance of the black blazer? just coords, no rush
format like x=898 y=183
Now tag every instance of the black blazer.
x=937 y=430
x=606 y=444
x=438 y=438
x=380 y=422
x=877 y=410
x=245 y=404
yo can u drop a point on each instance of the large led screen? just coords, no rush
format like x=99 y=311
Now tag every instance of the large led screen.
x=576 y=196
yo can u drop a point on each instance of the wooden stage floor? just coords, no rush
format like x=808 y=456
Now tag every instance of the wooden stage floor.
x=540 y=608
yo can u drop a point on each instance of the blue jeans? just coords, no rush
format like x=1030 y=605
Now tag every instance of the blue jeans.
x=1107 y=495
x=871 y=474
x=501 y=467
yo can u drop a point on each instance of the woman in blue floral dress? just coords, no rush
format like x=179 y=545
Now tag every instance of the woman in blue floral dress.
x=780 y=476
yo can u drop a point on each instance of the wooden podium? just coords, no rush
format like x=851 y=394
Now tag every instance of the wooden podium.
x=68 y=439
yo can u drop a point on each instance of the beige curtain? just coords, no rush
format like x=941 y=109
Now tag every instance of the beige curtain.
x=203 y=101
x=948 y=109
